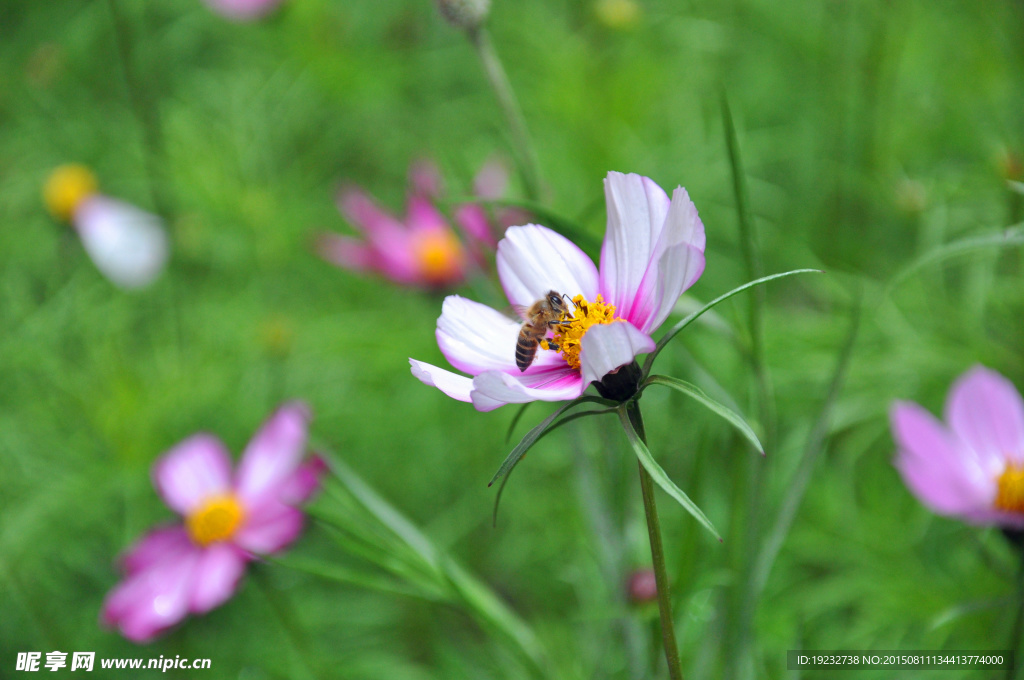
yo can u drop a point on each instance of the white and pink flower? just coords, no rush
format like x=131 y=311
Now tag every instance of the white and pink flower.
x=972 y=467
x=229 y=518
x=421 y=249
x=653 y=251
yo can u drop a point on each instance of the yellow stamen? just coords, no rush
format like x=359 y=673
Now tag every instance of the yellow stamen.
x=439 y=255
x=569 y=333
x=66 y=188
x=215 y=520
x=1010 y=493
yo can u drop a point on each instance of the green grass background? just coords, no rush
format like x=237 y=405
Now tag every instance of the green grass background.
x=872 y=134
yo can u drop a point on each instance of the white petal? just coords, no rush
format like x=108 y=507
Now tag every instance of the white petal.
x=454 y=385
x=676 y=270
x=128 y=245
x=637 y=208
x=476 y=338
x=533 y=260
x=607 y=346
x=494 y=388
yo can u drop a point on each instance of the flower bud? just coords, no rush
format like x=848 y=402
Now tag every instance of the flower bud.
x=464 y=14
x=641 y=586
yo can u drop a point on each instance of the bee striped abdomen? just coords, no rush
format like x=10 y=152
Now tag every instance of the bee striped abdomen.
x=526 y=350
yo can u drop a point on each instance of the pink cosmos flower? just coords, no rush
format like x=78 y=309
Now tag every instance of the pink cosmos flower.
x=422 y=249
x=972 y=467
x=653 y=251
x=194 y=566
x=243 y=10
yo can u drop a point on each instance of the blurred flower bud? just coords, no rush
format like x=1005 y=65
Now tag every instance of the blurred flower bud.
x=911 y=197
x=66 y=188
x=1010 y=165
x=618 y=14
x=243 y=10
x=464 y=14
x=641 y=586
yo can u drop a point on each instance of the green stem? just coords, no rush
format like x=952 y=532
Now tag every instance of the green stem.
x=495 y=72
x=289 y=624
x=668 y=633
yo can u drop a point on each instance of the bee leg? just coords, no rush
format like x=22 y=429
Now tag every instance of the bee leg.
x=552 y=346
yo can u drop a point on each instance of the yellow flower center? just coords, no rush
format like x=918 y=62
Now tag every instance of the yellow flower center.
x=1010 y=492
x=66 y=188
x=569 y=333
x=215 y=520
x=439 y=255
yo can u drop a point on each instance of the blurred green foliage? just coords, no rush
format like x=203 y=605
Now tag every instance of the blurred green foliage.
x=872 y=133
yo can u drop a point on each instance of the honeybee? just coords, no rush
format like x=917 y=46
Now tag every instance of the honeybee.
x=539 y=318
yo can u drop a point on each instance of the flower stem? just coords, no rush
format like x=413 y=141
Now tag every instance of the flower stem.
x=668 y=632
x=495 y=72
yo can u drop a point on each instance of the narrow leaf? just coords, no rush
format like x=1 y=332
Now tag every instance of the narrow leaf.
x=659 y=476
x=533 y=435
x=672 y=332
x=696 y=393
x=515 y=420
x=1012 y=236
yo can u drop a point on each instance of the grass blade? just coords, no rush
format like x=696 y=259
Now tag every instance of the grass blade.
x=660 y=477
x=696 y=393
x=1011 y=236
x=672 y=332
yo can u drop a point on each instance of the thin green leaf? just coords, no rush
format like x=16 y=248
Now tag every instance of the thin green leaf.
x=696 y=393
x=515 y=420
x=659 y=476
x=353 y=577
x=563 y=421
x=672 y=332
x=1011 y=236
x=533 y=435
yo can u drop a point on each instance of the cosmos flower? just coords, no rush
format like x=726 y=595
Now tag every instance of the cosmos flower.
x=243 y=10
x=971 y=467
x=422 y=249
x=128 y=245
x=653 y=251
x=228 y=519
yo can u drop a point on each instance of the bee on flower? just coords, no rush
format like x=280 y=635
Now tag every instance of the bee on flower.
x=228 y=518
x=422 y=249
x=128 y=245
x=653 y=251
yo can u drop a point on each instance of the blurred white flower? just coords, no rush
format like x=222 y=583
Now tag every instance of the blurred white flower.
x=128 y=245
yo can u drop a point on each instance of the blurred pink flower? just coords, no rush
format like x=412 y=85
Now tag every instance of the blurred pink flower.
x=653 y=251
x=243 y=10
x=196 y=565
x=422 y=249
x=972 y=467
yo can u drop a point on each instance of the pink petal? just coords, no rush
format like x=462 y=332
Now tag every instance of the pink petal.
x=454 y=385
x=191 y=472
x=387 y=237
x=242 y=10
x=491 y=181
x=147 y=603
x=156 y=546
x=606 y=347
x=422 y=216
x=986 y=411
x=533 y=260
x=217 y=572
x=348 y=253
x=274 y=453
x=305 y=482
x=493 y=388
x=270 y=528
x=935 y=466
x=637 y=208
x=129 y=246
x=425 y=179
x=475 y=224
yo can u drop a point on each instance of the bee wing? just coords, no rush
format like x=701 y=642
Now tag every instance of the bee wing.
x=518 y=312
